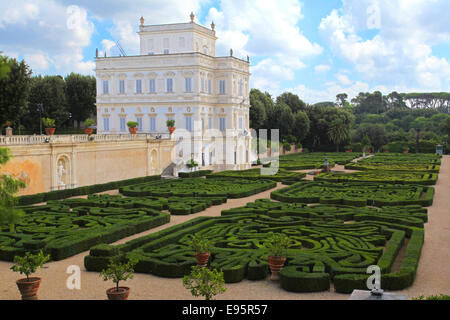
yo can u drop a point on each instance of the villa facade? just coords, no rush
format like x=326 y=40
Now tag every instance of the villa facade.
x=178 y=76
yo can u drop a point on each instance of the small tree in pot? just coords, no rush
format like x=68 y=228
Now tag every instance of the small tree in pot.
x=201 y=247
x=191 y=164
x=87 y=126
x=277 y=245
x=170 y=125
x=204 y=282
x=118 y=271
x=28 y=265
x=132 y=126
x=49 y=125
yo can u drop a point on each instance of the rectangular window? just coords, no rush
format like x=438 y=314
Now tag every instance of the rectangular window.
x=169 y=84
x=209 y=87
x=188 y=82
x=139 y=86
x=105 y=87
x=122 y=86
x=152 y=124
x=122 y=124
x=240 y=87
x=181 y=42
x=203 y=124
x=222 y=86
x=189 y=123
x=241 y=123
x=210 y=126
x=152 y=86
x=166 y=51
x=106 y=124
x=210 y=158
x=222 y=124
x=139 y=121
x=202 y=85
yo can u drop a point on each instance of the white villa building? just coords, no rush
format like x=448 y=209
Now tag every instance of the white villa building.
x=178 y=76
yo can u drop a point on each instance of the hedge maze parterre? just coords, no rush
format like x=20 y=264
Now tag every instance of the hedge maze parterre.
x=355 y=193
x=199 y=187
x=395 y=177
x=399 y=162
x=255 y=174
x=303 y=161
x=329 y=243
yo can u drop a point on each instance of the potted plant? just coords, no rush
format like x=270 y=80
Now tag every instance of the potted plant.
x=28 y=265
x=132 y=126
x=49 y=125
x=118 y=271
x=191 y=164
x=406 y=151
x=87 y=126
x=201 y=247
x=204 y=282
x=277 y=245
x=170 y=125
x=8 y=129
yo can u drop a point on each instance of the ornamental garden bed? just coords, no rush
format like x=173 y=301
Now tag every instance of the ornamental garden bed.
x=399 y=162
x=396 y=177
x=304 y=161
x=323 y=248
x=199 y=187
x=67 y=227
x=355 y=193
x=255 y=174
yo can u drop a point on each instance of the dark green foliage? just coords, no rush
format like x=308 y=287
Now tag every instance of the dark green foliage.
x=194 y=187
x=396 y=177
x=194 y=174
x=303 y=161
x=96 y=188
x=65 y=228
x=255 y=174
x=375 y=194
x=322 y=247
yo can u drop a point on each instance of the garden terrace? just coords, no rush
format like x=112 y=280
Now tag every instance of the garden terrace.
x=323 y=247
x=355 y=193
x=65 y=228
x=396 y=177
x=303 y=161
x=199 y=187
x=255 y=174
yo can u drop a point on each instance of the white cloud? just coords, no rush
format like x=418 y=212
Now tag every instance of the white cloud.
x=47 y=35
x=401 y=51
x=321 y=68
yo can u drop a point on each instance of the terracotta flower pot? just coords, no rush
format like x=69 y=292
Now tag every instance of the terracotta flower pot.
x=171 y=129
x=29 y=287
x=348 y=151
x=386 y=151
x=276 y=263
x=50 y=131
x=88 y=131
x=202 y=258
x=122 y=294
x=133 y=130
x=406 y=151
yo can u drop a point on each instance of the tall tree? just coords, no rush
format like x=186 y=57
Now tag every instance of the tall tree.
x=341 y=99
x=81 y=95
x=339 y=131
x=301 y=125
x=375 y=132
x=418 y=125
x=51 y=92
x=4 y=66
x=258 y=113
x=14 y=92
x=293 y=101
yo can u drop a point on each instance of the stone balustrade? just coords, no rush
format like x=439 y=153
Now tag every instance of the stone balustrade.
x=78 y=138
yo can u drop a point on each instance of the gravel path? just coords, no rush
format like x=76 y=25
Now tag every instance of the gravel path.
x=433 y=276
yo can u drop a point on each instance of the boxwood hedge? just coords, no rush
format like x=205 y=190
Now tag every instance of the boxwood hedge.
x=323 y=248
x=355 y=193
x=255 y=174
x=379 y=176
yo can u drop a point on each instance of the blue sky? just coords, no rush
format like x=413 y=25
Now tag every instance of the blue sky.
x=314 y=48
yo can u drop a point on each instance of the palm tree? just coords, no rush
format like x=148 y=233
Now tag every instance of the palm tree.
x=338 y=132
